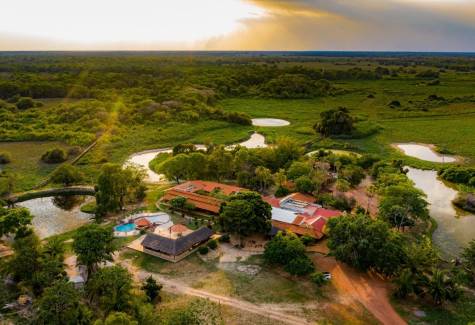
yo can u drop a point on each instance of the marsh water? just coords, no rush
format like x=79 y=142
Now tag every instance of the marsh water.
x=424 y=152
x=453 y=231
x=56 y=215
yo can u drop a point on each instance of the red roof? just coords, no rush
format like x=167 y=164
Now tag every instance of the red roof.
x=142 y=222
x=302 y=197
x=326 y=213
x=203 y=202
x=273 y=201
x=179 y=228
x=193 y=186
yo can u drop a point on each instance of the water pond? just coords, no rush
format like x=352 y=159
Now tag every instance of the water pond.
x=56 y=215
x=424 y=152
x=453 y=231
x=269 y=122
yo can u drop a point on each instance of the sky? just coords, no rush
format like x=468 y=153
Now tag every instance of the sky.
x=354 y=25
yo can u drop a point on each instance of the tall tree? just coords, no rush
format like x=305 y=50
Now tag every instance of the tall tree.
x=60 y=304
x=93 y=244
x=245 y=213
x=403 y=206
x=335 y=122
x=366 y=244
x=110 y=288
x=116 y=184
x=14 y=221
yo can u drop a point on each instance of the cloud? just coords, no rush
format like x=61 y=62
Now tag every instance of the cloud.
x=393 y=25
x=412 y=25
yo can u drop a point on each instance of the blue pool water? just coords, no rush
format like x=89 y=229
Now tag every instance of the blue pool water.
x=125 y=227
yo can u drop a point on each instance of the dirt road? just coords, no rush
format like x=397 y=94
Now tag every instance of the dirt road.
x=370 y=291
x=178 y=287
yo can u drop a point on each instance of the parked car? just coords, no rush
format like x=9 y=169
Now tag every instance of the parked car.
x=327 y=276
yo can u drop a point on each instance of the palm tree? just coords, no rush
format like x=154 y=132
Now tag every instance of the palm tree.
x=442 y=288
x=406 y=284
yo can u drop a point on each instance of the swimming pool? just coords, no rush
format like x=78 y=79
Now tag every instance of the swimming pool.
x=126 y=227
x=158 y=218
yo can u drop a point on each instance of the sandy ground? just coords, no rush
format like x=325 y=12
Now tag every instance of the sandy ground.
x=368 y=290
x=179 y=287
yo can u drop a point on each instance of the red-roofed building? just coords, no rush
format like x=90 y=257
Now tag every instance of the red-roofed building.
x=309 y=218
x=195 y=192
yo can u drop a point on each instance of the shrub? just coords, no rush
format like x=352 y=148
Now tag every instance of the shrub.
x=304 y=184
x=394 y=104
x=203 y=250
x=318 y=278
x=54 y=156
x=67 y=175
x=25 y=103
x=307 y=240
x=299 y=266
x=5 y=158
x=213 y=244
x=281 y=191
x=225 y=238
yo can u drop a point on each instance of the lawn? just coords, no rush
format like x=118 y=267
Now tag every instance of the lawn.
x=26 y=164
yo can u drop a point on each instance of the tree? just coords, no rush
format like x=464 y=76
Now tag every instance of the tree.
x=298 y=169
x=304 y=184
x=115 y=185
x=441 y=287
x=219 y=163
x=406 y=283
x=151 y=288
x=283 y=248
x=245 y=213
x=403 y=206
x=50 y=265
x=264 y=177
x=25 y=261
x=299 y=266
x=280 y=177
x=14 y=221
x=109 y=288
x=60 y=304
x=7 y=183
x=117 y=318
x=175 y=168
x=67 y=175
x=93 y=244
x=335 y=122
x=366 y=244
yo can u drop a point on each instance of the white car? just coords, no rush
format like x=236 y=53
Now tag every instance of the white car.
x=327 y=276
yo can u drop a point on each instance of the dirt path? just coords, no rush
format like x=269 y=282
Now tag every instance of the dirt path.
x=178 y=287
x=371 y=292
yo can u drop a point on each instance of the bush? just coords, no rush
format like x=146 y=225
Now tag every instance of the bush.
x=299 y=266
x=224 y=238
x=203 y=250
x=318 y=278
x=67 y=175
x=5 y=158
x=281 y=191
x=54 y=156
x=304 y=184
x=25 y=103
x=213 y=244
x=307 y=240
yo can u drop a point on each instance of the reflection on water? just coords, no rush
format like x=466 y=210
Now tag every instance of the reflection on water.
x=55 y=215
x=453 y=232
x=424 y=152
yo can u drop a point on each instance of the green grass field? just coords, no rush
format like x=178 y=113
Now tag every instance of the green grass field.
x=26 y=164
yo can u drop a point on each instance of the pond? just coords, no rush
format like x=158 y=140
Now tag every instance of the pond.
x=143 y=158
x=424 y=152
x=56 y=215
x=453 y=232
x=269 y=122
